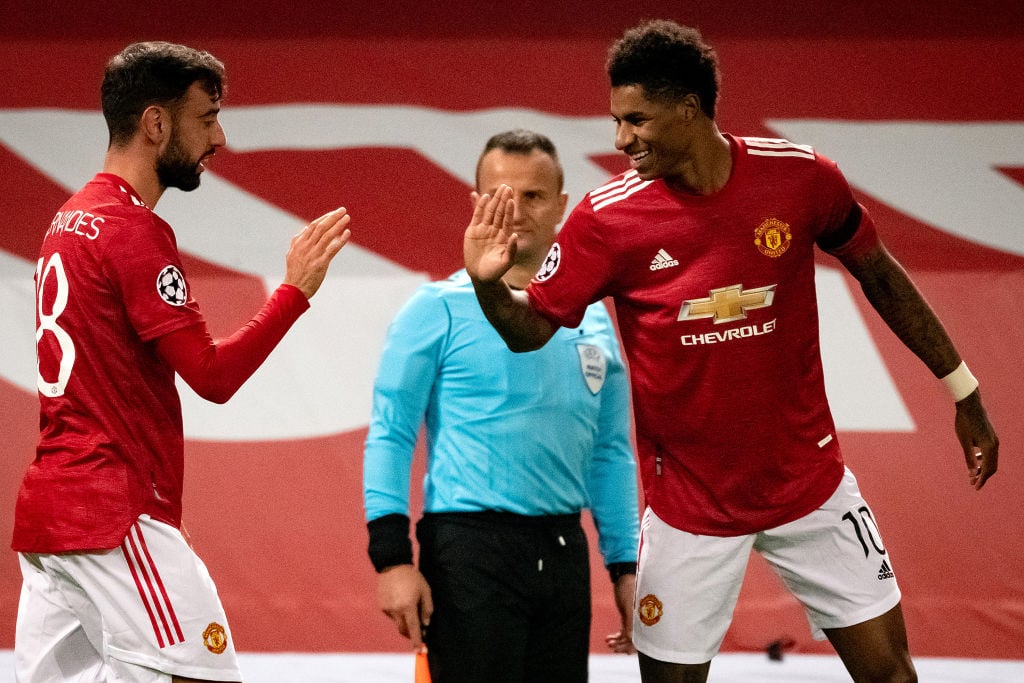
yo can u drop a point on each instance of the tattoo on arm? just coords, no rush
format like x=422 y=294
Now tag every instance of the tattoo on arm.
x=893 y=295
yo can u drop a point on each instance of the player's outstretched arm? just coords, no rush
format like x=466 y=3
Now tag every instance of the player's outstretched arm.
x=313 y=248
x=216 y=370
x=891 y=292
x=489 y=247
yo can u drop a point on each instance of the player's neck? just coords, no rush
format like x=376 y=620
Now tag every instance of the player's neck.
x=136 y=172
x=707 y=168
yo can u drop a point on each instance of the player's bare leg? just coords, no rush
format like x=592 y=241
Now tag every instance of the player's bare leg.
x=876 y=650
x=655 y=671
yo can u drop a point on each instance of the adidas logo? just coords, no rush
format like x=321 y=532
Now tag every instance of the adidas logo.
x=885 y=571
x=663 y=260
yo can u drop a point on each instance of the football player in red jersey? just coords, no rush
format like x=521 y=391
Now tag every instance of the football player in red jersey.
x=111 y=590
x=707 y=246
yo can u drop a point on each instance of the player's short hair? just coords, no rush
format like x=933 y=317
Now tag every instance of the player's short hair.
x=667 y=60
x=144 y=74
x=522 y=141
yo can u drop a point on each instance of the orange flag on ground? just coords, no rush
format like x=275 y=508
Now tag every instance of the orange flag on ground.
x=422 y=670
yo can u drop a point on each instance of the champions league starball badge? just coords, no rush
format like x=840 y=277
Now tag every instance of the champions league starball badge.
x=550 y=265
x=170 y=285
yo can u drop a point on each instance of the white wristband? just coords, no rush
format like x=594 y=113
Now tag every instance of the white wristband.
x=960 y=383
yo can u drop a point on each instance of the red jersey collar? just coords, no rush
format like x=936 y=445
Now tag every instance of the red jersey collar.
x=122 y=184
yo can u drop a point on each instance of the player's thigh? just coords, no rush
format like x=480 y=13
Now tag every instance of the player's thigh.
x=686 y=591
x=58 y=634
x=834 y=561
x=159 y=608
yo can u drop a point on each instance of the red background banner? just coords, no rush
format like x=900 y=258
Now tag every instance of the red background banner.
x=279 y=521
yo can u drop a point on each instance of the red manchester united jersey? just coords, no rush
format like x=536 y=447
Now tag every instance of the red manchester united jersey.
x=108 y=281
x=716 y=305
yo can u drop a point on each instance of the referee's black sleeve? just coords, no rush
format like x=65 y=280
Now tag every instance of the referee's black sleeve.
x=389 y=541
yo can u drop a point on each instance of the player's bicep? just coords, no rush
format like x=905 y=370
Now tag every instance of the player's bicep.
x=855 y=242
x=185 y=348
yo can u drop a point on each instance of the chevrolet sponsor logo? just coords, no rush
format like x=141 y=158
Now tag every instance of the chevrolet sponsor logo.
x=727 y=304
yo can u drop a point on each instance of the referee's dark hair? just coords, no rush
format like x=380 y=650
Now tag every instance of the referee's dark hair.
x=521 y=141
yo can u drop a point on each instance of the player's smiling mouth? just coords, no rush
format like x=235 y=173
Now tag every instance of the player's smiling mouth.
x=637 y=157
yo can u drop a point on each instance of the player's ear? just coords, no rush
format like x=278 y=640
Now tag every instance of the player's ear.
x=689 y=106
x=155 y=123
x=563 y=202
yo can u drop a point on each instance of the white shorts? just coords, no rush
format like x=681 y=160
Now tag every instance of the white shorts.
x=832 y=560
x=139 y=613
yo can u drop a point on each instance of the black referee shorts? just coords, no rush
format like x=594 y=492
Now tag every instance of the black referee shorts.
x=511 y=597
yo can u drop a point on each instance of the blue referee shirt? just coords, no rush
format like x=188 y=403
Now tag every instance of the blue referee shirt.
x=539 y=433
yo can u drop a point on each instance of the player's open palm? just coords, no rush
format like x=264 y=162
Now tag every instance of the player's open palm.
x=313 y=248
x=489 y=245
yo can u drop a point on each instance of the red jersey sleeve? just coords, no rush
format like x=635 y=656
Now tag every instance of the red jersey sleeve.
x=148 y=275
x=216 y=370
x=848 y=230
x=863 y=239
x=577 y=270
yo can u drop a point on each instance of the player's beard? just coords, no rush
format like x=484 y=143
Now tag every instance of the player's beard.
x=174 y=168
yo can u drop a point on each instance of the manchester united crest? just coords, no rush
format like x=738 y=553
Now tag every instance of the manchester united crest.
x=772 y=237
x=215 y=638
x=649 y=609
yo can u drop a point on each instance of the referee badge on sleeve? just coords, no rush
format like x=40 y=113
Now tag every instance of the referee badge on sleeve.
x=593 y=365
